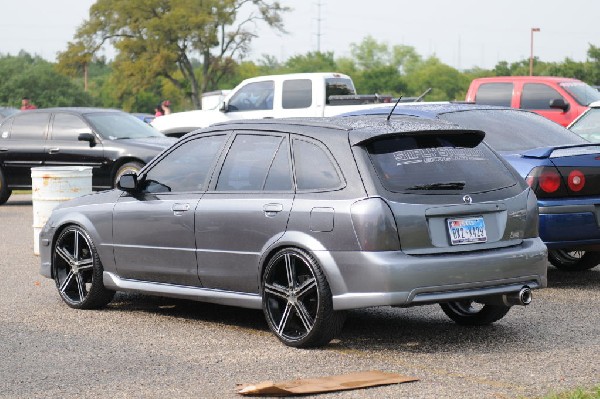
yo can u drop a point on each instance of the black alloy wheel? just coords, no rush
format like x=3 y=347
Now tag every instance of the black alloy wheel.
x=573 y=261
x=77 y=270
x=472 y=313
x=297 y=300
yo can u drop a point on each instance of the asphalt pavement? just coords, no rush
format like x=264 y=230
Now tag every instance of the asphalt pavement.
x=151 y=347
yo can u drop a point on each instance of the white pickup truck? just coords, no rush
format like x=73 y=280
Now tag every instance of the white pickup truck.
x=276 y=96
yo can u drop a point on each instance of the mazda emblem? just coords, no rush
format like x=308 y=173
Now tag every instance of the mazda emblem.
x=467 y=199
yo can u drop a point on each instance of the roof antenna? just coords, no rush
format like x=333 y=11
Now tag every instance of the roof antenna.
x=392 y=111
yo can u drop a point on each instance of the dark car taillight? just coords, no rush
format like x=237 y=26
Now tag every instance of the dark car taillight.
x=374 y=225
x=552 y=182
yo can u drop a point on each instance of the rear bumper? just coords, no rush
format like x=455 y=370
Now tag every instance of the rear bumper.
x=394 y=278
x=570 y=226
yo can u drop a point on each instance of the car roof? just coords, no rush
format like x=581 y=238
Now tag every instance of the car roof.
x=75 y=110
x=429 y=110
x=358 y=128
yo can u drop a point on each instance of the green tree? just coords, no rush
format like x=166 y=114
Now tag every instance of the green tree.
x=34 y=77
x=156 y=39
x=311 y=62
x=446 y=82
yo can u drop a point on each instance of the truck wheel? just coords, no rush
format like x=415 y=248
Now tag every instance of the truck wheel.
x=471 y=313
x=129 y=167
x=573 y=261
x=4 y=190
x=297 y=300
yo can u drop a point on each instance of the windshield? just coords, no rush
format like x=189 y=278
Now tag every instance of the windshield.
x=426 y=164
x=584 y=94
x=512 y=130
x=120 y=125
x=588 y=126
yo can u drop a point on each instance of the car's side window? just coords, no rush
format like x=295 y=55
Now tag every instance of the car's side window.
x=68 y=127
x=314 y=168
x=538 y=96
x=30 y=126
x=297 y=93
x=186 y=168
x=280 y=173
x=495 y=94
x=253 y=96
x=248 y=162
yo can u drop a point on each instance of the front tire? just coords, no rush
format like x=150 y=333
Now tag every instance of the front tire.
x=471 y=313
x=129 y=167
x=573 y=261
x=5 y=192
x=77 y=270
x=297 y=300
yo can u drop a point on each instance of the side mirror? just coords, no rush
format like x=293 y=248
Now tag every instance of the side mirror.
x=89 y=137
x=128 y=183
x=559 y=103
x=224 y=107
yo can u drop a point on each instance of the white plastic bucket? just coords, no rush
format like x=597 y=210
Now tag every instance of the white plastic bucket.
x=52 y=185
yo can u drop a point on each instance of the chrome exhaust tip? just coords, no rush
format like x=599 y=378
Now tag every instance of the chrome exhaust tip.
x=521 y=298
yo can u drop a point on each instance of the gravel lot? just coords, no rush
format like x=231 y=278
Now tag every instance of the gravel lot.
x=141 y=346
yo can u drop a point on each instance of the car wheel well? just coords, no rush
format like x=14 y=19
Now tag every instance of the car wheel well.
x=266 y=259
x=122 y=161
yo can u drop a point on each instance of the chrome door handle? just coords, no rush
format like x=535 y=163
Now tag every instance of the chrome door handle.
x=3 y=149
x=53 y=150
x=272 y=209
x=178 y=209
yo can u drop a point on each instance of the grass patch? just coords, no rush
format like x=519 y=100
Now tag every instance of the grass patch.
x=580 y=393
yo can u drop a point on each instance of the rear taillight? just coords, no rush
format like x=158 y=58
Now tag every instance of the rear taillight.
x=549 y=181
x=576 y=180
x=374 y=225
x=546 y=182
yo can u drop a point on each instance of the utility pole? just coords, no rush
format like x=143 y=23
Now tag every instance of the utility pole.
x=319 y=26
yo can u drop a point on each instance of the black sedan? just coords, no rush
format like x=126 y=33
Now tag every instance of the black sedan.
x=111 y=141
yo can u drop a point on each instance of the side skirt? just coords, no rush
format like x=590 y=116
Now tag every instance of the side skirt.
x=244 y=300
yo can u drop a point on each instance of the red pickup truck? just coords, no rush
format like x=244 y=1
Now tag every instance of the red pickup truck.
x=558 y=99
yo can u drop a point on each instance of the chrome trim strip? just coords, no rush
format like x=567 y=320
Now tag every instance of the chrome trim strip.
x=244 y=300
x=555 y=210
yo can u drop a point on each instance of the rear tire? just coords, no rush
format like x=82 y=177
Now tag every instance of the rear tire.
x=471 y=313
x=573 y=261
x=129 y=167
x=297 y=300
x=5 y=192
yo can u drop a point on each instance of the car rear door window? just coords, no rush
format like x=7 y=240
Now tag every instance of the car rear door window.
x=297 y=93
x=30 y=126
x=437 y=164
x=68 y=127
x=495 y=94
x=185 y=169
x=248 y=162
x=538 y=96
x=314 y=167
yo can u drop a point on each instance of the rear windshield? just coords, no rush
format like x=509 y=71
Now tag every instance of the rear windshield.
x=338 y=86
x=511 y=130
x=120 y=125
x=583 y=93
x=437 y=164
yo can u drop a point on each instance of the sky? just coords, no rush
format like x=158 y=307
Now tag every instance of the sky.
x=462 y=33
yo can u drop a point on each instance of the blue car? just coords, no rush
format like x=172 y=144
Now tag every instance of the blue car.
x=562 y=168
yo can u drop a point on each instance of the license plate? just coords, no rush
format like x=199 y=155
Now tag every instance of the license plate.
x=467 y=231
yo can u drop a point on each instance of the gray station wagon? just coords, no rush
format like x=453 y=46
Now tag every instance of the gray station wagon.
x=306 y=218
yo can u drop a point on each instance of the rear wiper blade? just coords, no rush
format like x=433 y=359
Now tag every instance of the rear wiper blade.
x=451 y=185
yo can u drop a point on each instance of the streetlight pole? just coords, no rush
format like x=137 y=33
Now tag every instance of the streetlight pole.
x=531 y=53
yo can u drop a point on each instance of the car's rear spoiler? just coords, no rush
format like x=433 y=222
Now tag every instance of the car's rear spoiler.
x=562 y=151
